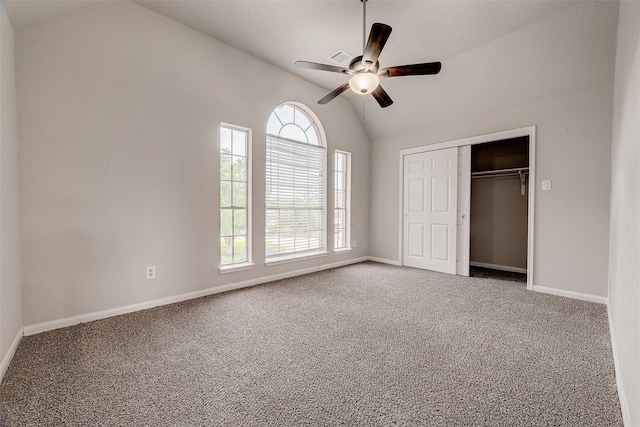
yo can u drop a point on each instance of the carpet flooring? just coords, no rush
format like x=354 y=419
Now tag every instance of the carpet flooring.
x=489 y=273
x=363 y=345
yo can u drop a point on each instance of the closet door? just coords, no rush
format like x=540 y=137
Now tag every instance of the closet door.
x=430 y=210
x=464 y=210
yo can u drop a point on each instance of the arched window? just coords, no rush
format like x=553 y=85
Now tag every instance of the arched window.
x=295 y=178
x=294 y=122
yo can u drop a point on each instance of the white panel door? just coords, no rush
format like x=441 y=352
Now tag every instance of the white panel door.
x=430 y=210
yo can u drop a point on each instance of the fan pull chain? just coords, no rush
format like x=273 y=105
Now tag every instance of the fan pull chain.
x=363 y=112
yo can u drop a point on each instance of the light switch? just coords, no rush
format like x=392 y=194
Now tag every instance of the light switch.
x=546 y=185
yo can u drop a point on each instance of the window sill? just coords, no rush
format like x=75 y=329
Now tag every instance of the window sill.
x=342 y=250
x=293 y=258
x=236 y=267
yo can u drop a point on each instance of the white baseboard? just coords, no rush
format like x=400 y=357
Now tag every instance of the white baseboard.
x=499 y=267
x=624 y=407
x=89 y=317
x=571 y=294
x=384 y=261
x=12 y=351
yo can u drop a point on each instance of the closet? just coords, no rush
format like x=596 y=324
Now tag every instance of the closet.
x=499 y=209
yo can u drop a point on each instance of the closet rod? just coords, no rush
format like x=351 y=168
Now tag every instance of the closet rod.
x=500 y=172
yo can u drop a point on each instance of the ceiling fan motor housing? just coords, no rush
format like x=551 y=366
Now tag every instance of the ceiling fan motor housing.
x=357 y=65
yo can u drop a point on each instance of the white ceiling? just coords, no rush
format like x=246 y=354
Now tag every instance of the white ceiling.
x=281 y=32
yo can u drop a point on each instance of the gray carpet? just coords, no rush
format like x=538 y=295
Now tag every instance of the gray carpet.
x=364 y=345
x=490 y=273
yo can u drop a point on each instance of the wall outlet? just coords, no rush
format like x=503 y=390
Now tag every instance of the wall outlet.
x=151 y=272
x=355 y=243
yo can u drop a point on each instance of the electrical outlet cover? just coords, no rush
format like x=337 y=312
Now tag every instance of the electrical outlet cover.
x=151 y=272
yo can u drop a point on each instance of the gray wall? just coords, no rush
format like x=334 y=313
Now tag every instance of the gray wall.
x=10 y=286
x=624 y=287
x=498 y=222
x=570 y=102
x=119 y=113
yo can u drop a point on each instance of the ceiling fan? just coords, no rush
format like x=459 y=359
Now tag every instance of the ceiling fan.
x=365 y=69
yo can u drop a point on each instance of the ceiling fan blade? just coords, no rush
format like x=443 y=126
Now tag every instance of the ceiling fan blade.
x=411 y=70
x=377 y=39
x=334 y=93
x=382 y=97
x=322 y=67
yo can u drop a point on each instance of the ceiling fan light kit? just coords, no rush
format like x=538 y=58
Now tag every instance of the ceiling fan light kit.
x=365 y=70
x=364 y=82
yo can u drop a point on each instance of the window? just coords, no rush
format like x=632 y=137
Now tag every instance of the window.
x=342 y=200
x=235 y=196
x=295 y=185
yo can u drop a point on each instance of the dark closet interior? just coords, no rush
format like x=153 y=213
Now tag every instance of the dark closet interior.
x=499 y=209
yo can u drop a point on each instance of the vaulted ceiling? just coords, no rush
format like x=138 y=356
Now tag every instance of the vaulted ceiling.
x=491 y=51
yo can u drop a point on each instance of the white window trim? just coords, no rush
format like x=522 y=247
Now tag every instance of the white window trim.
x=248 y=264
x=284 y=259
x=342 y=250
x=232 y=268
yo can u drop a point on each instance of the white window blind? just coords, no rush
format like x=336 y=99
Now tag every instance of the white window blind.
x=295 y=197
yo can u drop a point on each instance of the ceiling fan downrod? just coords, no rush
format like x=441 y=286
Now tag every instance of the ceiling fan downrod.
x=364 y=24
